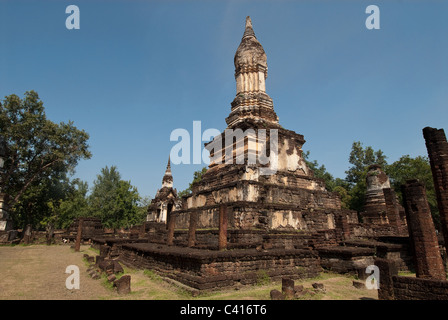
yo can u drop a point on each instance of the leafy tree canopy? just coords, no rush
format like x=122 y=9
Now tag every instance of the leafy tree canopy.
x=197 y=177
x=39 y=156
x=36 y=147
x=115 y=201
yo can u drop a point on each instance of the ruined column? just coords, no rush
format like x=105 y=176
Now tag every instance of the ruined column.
x=427 y=257
x=171 y=225
x=192 y=229
x=392 y=209
x=222 y=241
x=437 y=147
x=342 y=226
x=79 y=234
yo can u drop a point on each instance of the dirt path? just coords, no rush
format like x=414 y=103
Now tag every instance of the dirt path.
x=38 y=272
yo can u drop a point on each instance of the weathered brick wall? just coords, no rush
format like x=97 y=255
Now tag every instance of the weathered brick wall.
x=204 y=270
x=345 y=259
x=361 y=230
x=394 y=287
x=249 y=215
x=408 y=288
x=208 y=239
x=91 y=227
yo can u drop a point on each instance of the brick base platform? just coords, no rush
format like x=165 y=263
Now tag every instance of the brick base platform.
x=212 y=269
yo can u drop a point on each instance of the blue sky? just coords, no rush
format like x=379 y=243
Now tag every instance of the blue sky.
x=137 y=70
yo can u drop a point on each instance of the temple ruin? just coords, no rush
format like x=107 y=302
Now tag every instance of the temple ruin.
x=259 y=211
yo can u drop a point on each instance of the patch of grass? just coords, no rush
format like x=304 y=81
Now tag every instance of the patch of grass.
x=151 y=274
x=406 y=273
x=252 y=292
x=183 y=294
x=96 y=251
x=106 y=283
x=86 y=263
x=263 y=278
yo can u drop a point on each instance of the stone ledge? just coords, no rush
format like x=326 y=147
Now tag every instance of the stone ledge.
x=346 y=252
x=206 y=256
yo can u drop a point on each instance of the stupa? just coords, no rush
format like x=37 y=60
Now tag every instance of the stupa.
x=257 y=168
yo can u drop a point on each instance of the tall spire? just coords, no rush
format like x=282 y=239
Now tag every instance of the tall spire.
x=167 y=180
x=168 y=166
x=249 y=31
x=251 y=71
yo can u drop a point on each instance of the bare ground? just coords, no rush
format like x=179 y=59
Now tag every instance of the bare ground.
x=38 y=272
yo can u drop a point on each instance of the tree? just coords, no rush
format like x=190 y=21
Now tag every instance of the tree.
x=419 y=168
x=143 y=205
x=197 y=177
x=361 y=158
x=320 y=171
x=36 y=147
x=115 y=201
x=75 y=205
x=39 y=204
x=332 y=184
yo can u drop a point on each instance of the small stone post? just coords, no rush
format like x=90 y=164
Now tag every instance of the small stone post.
x=28 y=234
x=222 y=241
x=288 y=288
x=79 y=235
x=171 y=225
x=427 y=257
x=50 y=234
x=123 y=284
x=142 y=230
x=192 y=229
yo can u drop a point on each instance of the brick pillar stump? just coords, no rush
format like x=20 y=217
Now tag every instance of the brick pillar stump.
x=192 y=229
x=387 y=269
x=427 y=257
x=288 y=288
x=222 y=240
x=392 y=209
x=171 y=225
x=79 y=235
x=28 y=234
x=123 y=284
x=437 y=147
x=342 y=226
